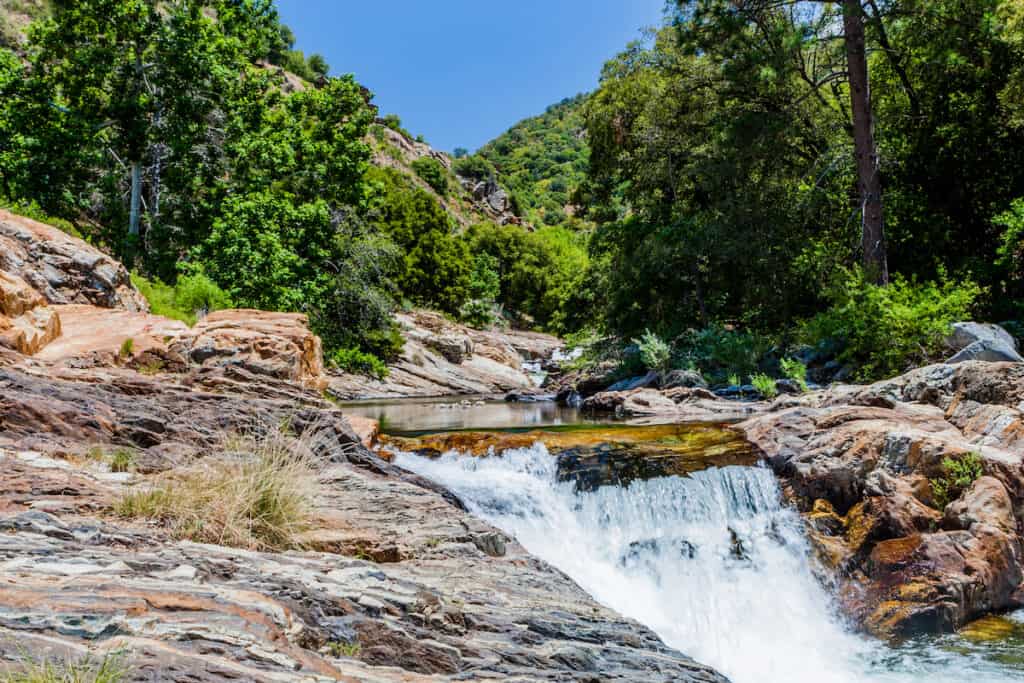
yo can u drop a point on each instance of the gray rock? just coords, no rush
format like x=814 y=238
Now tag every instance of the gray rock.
x=455 y=348
x=967 y=333
x=648 y=380
x=990 y=350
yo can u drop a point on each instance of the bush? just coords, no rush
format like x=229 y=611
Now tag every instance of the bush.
x=886 y=330
x=474 y=167
x=1011 y=251
x=119 y=459
x=484 y=289
x=433 y=173
x=796 y=371
x=958 y=475
x=764 y=384
x=256 y=493
x=654 y=351
x=110 y=669
x=192 y=295
x=359 y=363
x=719 y=351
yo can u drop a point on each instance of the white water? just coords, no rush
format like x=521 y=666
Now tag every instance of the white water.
x=665 y=552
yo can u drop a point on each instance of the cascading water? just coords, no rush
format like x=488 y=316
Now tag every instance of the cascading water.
x=714 y=563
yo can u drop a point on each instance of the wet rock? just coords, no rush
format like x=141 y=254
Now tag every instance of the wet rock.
x=683 y=378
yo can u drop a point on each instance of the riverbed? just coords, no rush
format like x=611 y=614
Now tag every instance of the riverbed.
x=701 y=549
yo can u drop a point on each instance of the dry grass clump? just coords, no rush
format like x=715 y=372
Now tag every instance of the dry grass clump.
x=108 y=670
x=256 y=492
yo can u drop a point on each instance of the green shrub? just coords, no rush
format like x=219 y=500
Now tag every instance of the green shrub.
x=119 y=459
x=795 y=370
x=734 y=380
x=958 y=475
x=719 y=351
x=764 y=384
x=127 y=347
x=433 y=173
x=886 y=330
x=193 y=294
x=484 y=289
x=358 y=362
x=655 y=353
x=474 y=167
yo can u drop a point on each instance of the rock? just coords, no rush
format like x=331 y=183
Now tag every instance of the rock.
x=276 y=345
x=647 y=402
x=26 y=323
x=788 y=386
x=683 y=378
x=965 y=334
x=858 y=462
x=64 y=269
x=398 y=582
x=490 y=362
x=454 y=348
x=990 y=350
x=649 y=380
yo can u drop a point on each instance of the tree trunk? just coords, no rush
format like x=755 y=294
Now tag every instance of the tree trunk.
x=136 y=201
x=869 y=182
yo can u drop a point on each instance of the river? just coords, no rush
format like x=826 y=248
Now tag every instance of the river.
x=712 y=560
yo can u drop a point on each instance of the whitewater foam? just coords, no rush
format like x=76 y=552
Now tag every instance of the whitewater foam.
x=714 y=563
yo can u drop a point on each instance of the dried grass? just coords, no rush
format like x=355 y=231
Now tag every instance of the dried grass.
x=256 y=492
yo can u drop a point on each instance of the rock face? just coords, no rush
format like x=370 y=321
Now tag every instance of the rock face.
x=859 y=462
x=64 y=269
x=397 y=584
x=443 y=358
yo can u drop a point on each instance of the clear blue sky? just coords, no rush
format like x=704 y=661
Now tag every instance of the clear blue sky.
x=460 y=72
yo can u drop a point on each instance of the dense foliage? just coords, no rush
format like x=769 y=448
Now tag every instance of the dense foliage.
x=723 y=183
x=543 y=160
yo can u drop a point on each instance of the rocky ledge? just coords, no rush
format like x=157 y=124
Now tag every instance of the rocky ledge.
x=397 y=583
x=867 y=467
x=443 y=358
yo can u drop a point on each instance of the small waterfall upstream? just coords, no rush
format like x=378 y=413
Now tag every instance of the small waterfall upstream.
x=713 y=562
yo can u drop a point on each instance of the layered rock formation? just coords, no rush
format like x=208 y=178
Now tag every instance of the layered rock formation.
x=443 y=358
x=399 y=584
x=863 y=463
x=395 y=582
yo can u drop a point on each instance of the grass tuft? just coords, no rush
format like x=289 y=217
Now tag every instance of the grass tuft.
x=110 y=669
x=257 y=493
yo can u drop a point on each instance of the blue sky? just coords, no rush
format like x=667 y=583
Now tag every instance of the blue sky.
x=460 y=72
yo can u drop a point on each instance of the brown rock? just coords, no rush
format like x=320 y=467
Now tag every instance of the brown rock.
x=275 y=345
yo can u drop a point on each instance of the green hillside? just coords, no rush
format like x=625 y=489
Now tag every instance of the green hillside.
x=542 y=160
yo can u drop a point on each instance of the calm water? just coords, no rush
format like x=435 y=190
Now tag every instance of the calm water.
x=712 y=560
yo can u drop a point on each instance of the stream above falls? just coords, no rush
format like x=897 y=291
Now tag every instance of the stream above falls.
x=678 y=527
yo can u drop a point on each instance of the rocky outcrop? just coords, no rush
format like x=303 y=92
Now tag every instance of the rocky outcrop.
x=64 y=269
x=276 y=345
x=680 y=404
x=397 y=582
x=860 y=462
x=443 y=358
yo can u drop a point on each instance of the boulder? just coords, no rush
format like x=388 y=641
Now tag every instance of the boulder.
x=989 y=350
x=455 y=348
x=275 y=345
x=631 y=383
x=26 y=323
x=867 y=455
x=965 y=334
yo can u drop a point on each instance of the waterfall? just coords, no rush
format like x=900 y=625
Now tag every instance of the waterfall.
x=714 y=563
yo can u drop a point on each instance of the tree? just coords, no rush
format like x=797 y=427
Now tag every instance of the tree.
x=795 y=36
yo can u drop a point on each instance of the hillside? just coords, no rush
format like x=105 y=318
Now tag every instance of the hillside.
x=542 y=160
